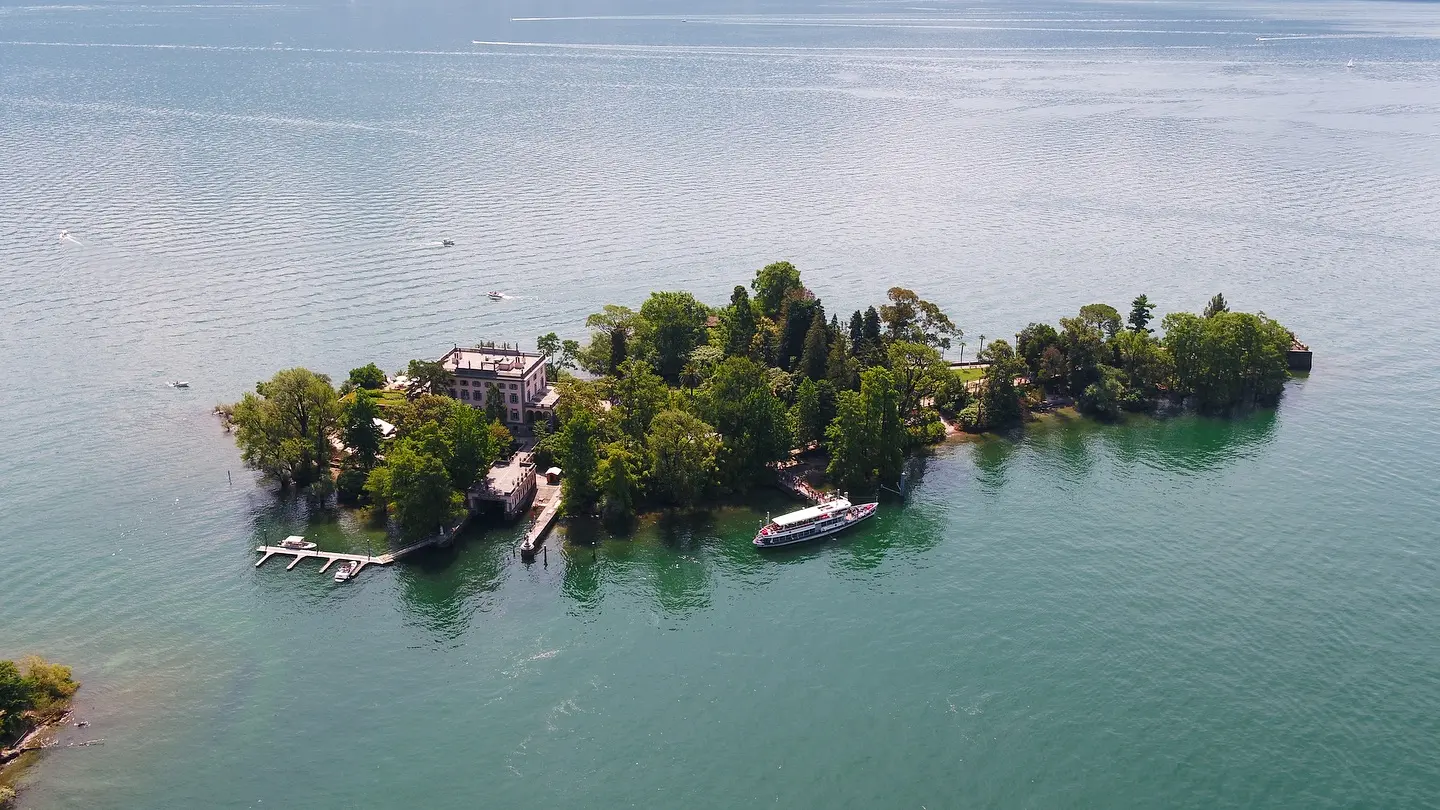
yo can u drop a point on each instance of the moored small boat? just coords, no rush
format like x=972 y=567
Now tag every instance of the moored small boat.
x=298 y=543
x=349 y=569
x=833 y=515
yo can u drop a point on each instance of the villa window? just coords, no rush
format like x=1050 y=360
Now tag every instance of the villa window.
x=514 y=399
x=464 y=394
x=514 y=415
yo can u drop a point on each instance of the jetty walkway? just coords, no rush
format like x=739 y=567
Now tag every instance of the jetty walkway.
x=331 y=557
x=536 y=535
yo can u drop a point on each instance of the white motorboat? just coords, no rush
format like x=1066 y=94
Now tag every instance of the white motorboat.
x=349 y=569
x=812 y=523
x=179 y=383
x=496 y=296
x=298 y=543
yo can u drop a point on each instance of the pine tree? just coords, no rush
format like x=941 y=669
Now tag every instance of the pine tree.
x=813 y=358
x=1216 y=306
x=857 y=331
x=1140 y=315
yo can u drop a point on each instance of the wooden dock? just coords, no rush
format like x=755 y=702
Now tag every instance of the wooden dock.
x=331 y=557
x=536 y=535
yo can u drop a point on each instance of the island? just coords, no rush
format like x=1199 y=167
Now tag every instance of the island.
x=678 y=403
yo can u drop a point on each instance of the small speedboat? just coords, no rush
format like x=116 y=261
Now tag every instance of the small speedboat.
x=179 y=383
x=346 y=571
x=496 y=296
x=447 y=243
x=298 y=543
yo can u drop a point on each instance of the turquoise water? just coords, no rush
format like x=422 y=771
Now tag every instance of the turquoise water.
x=1165 y=613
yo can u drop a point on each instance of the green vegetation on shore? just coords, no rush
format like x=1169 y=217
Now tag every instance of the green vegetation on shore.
x=32 y=693
x=440 y=448
x=687 y=402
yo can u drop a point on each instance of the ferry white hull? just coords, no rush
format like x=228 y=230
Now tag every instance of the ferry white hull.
x=839 y=523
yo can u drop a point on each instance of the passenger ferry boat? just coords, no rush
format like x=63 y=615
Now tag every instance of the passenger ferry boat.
x=814 y=522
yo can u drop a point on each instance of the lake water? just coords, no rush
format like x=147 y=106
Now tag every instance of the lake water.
x=1175 y=613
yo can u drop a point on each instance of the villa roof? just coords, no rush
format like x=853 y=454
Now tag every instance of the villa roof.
x=491 y=362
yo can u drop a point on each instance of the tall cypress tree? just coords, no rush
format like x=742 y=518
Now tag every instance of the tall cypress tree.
x=816 y=352
x=741 y=320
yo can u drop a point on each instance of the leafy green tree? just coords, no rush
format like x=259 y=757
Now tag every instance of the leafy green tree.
x=999 y=399
x=638 y=394
x=850 y=449
x=674 y=324
x=816 y=355
x=798 y=313
x=705 y=359
x=283 y=429
x=772 y=284
x=866 y=440
x=611 y=332
x=808 y=413
x=841 y=370
x=753 y=423
x=952 y=392
x=910 y=317
x=414 y=484
x=1227 y=359
x=577 y=446
x=871 y=334
x=1141 y=314
x=739 y=319
x=358 y=429
x=1033 y=340
x=857 y=329
x=14 y=702
x=494 y=404
x=1085 y=351
x=559 y=354
x=1051 y=375
x=426 y=377
x=1216 y=306
x=1104 y=397
x=1102 y=317
x=1146 y=363
x=682 y=453
x=350 y=483
x=367 y=376
x=618 y=480
x=471 y=444
x=914 y=368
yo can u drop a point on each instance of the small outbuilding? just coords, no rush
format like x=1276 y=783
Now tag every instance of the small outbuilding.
x=552 y=475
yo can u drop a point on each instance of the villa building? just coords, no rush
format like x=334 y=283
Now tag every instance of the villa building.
x=516 y=377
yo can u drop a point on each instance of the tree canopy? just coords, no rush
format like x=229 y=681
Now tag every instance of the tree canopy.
x=752 y=422
x=682 y=454
x=283 y=429
x=672 y=325
x=772 y=284
x=911 y=318
x=368 y=376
